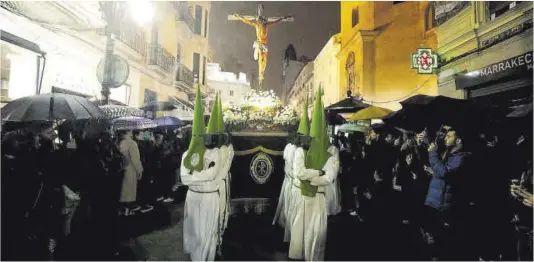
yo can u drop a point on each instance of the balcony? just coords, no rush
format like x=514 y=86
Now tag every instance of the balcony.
x=132 y=41
x=183 y=15
x=184 y=78
x=160 y=60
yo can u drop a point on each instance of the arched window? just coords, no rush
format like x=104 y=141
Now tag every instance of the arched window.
x=430 y=18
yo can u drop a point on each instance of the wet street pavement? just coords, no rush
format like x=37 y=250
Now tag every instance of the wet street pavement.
x=253 y=238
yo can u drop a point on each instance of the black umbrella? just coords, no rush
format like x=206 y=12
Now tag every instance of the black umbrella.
x=431 y=112
x=347 y=105
x=158 y=106
x=521 y=111
x=47 y=107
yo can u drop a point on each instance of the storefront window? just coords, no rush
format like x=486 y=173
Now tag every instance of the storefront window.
x=18 y=77
x=498 y=8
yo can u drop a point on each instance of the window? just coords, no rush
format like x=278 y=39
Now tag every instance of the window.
x=204 y=70
x=430 y=18
x=198 y=20
x=498 y=8
x=231 y=92
x=196 y=65
x=355 y=17
x=206 y=24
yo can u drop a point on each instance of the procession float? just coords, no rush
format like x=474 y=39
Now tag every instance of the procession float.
x=259 y=127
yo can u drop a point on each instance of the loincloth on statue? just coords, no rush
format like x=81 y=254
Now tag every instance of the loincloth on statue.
x=263 y=47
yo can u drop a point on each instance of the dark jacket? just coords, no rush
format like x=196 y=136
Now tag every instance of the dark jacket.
x=446 y=171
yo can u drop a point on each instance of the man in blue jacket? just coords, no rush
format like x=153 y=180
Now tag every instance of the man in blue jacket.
x=445 y=170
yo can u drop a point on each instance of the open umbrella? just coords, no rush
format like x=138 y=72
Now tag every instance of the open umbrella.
x=48 y=107
x=133 y=123
x=521 y=111
x=350 y=128
x=347 y=105
x=115 y=111
x=168 y=121
x=422 y=111
x=371 y=112
x=158 y=106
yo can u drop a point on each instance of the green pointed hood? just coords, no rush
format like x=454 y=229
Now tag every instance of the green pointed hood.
x=213 y=123
x=195 y=153
x=317 y=155
x=220 y=116
x=304 y=125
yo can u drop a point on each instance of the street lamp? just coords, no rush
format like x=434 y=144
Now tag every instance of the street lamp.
x=141 y=12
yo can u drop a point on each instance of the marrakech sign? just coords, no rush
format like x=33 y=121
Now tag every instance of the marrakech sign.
x=424 y=61
x=524 y=60
x=512 y=68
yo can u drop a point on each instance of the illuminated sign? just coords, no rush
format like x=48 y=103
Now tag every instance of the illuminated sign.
x=424 y=61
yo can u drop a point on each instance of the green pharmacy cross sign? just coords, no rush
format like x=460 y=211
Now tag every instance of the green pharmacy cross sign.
x=424 y=61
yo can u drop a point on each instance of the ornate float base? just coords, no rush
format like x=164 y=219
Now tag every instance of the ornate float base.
x=257 y=171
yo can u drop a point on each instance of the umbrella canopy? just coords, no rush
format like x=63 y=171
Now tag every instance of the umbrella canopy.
x=423 y=111
x=371 y=112
x=47 y=107
x=158 y=106
x=350 y=128
x=168 y=121
x=347 y=105
x=100 y=102
x=133 y=123
x=115 y=111
x=521 y=111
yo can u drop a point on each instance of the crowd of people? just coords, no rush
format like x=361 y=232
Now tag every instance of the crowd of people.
x=467 y=194
x=59 y=179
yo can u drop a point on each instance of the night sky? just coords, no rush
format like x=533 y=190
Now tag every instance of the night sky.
x=231 y=41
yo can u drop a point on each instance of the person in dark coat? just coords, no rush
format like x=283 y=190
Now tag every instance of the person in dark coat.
x=145 y=185
x=446 y=170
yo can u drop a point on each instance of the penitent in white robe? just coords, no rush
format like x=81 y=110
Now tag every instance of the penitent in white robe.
x=229 y=180
x=280 y=217
x=223 y=190
x=308 y=232
x=332 y=191
x=295 y=197
x=201 y=219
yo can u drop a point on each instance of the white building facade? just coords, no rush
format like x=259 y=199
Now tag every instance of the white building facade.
x=232 y=87
x=326 y=71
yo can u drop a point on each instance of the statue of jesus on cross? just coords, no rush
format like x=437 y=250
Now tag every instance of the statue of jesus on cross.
x=261 y=23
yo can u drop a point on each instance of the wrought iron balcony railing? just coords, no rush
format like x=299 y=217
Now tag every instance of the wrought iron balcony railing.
x=182 y=14
x=184 y=76
x=132 y=37
x=158 y=56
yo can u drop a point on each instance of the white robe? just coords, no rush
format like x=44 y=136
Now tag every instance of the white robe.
x=201 y=220
x=229 y=180
x=332 y=191
x=224 y=189
x=308 y=232
x=283 y=200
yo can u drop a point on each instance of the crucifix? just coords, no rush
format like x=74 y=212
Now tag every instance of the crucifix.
x=261 y=24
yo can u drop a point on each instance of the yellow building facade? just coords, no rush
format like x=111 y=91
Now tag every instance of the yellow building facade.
x=177 y=52
x=486 y=50
x=377 y=43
